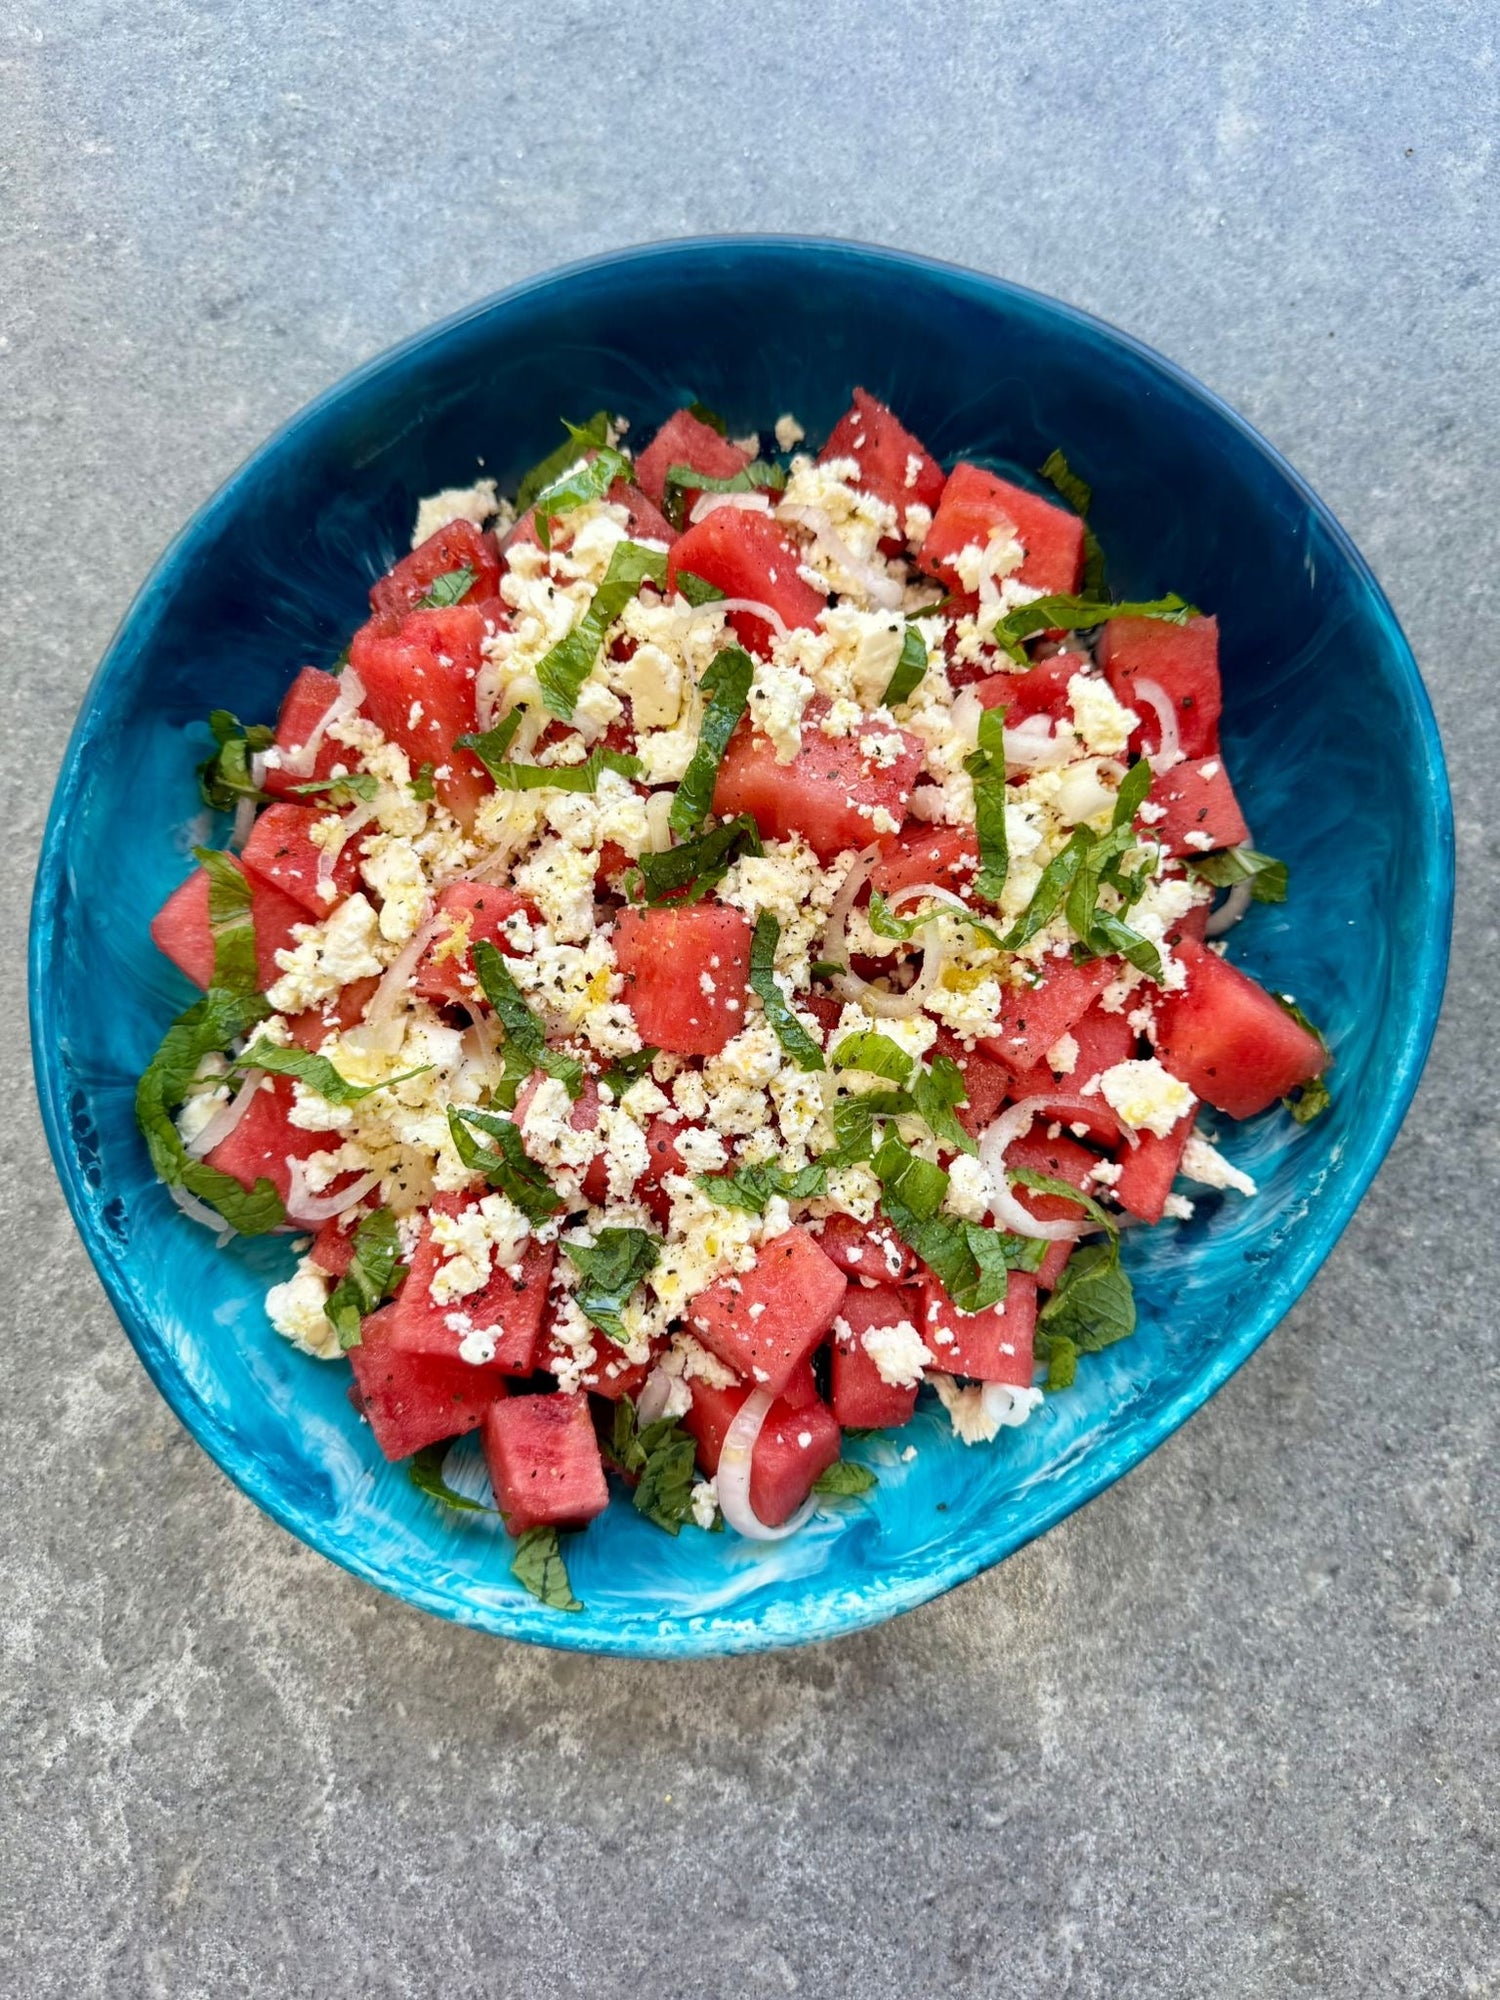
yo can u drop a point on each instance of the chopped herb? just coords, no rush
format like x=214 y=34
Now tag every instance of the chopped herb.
x=1077 y=614
x=1080 y=497
x=422 y=786
x=374 y=1272
x=524 y=1031
x=972 y=1263
x=986 y=766
x=582 y=777
x=230 y=921
x=363 y=785
x=451 y=588
x=626 y=1070
x=492 y=747
x=224 y=778
x=509 y=1169
x=611 y=1267
x=317 y=1072
x=880 y=920
x=790 y=1032
x=563 y=671
x=696 y=865
x=1040 y=1183
x=581 y=438
x=826 y=968
x=726 y=684
x=854 y=1120
x=660 y=1457
x=752 y=1189
x=710 y=417
x=539 y=1568
x=1267 y=878
x=875 y=1054
x=937 y=1092
x=577 y=486
x=1052 y=887
x=1312 y=1099
x=425 y=1472
x=682 y=479
x=910 y=668
x=844 y=1480
x=697 y=590
x=338 y=665
x=1092 y=1307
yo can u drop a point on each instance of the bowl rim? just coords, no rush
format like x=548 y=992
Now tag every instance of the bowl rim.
x=847 y=1611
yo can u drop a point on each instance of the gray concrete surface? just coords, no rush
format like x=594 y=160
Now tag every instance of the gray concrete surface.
x=1230 y=1732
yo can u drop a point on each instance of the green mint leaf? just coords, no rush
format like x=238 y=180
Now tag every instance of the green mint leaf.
x=660 y=1457
x=317 y=1072
x=881 y=921
x=1077 y=614
x=696 y=590
x=910 y=668
x=1080 y=497
x=425 y=1472
x=1094 y=1305
x=1057 y=879
x=563 y=671
x=508 y=1169
x=224 y=777
x=374 y=1271
x=844 y=1480
x=1310 y=1100
x=422 y=786
x=524 y=1030
x=791 y=1034
x=854 y=1121
x=343 y=791
x=582 y=777
x=539 y=1568
x=1061 y=1357
x=753 y=1188
x=611 y=1268
x=1040 y=1183
x=987 y=768
x=696 y=865
x=726 y=684
x=1267 y=878
x=875 y=1054
x=973 y=1263
x=451 y=588
x=1134 y=788
x=589 y=481
x=826 y=968
x=936 y=1093
x=492 y=747
x=626 y=1070
x=682 y=479
x=1108 y=933
x=710 y=417
x=581 y=438
x=230 y=921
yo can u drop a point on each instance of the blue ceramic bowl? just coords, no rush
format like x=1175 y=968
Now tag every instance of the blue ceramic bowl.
x=1326 y=726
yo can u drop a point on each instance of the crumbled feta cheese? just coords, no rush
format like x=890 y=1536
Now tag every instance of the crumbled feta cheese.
x=1205 y=1164
x=474 y=503
x=898 y=1351
x=982 y=1410
x=788 y=432
x=1148 y=1097
x=296 y=1311
x=1103 y=723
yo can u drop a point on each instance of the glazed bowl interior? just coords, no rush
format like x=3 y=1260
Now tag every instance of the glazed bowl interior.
x=1326 y=729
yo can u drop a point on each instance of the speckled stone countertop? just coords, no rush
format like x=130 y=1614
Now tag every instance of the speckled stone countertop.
x=1232 y=1730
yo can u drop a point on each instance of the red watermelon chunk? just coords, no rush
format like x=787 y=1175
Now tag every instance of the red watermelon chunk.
x=459 y=545
x=544 y=1461
x=1229 y=1040
x=989 y=1346
x=975 y=502
x=281 y=851
x=265 y=1142
x=333 y=1246
x=1041 y=691
x=766 y=1321
x=1061 y=1159
x=645 y=522
x=306 y=702
x=1202 y=812
x=414 y=1400
x=1148 y=1169
x=987 y=1083
x=345 y=1010
x=685 y=440
x=868 y=1250
x=447 y=974
x=862 y=1398
x=180 y=928
x=1103 y=1040
x=830 y=794
x=1183 y=660
x=795 y=1448
x=419 y=691
x=686 y=973
x=507 y=1310
x=1032 y=1018
x=663 y=1158
x=747 y=555
x=605 y=1373
x=893 y=465
x=945 y=855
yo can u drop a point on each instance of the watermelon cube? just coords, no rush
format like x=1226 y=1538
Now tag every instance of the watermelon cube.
x=1202 y=812
x=686 y=974
x=457 y=546
x=1103 y=1040
x=833 y=794
x=1062 y=1159
x=987 y=1083
x=748 y=555
x=768 y=1320
x=1183 y=660
x=893 y=465
x=414 y=1400
x=644 y=522
x=180 y=928
x=1032 y=1018
x=265 y=1142
x=871 y=1251
x=281 y=851
x=795 y=1448
x=1229 y=1040
x=685 y=440
x=303 y=707
x=419 y=691
x=945 y=855
x=862 y=1398
x=1041 y=691
x=1148 y=1169
x=505 y=1313
x=990 y=1346
x=346 y=1009
x=476 y=912
x=333 y=1246
x=975 y=502
x=544 y=1461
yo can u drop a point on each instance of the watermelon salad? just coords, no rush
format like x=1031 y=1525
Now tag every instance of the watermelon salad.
x=727 y=950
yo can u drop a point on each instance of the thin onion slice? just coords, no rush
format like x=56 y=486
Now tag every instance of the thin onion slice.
x=652 y=1401
x=304 y=1206
x=1001 y=1134
x=302 y=758
x=750 y=605
x=328 y=857
x=745 y=503
x=1032 y=746
x=1168 y=751
x=244 y=820
x=227 y=1117
x=734 y=1474
x=877 y=586
x=388 y=995
x=835 y=948
x=1230 y=910
x=200 y=1212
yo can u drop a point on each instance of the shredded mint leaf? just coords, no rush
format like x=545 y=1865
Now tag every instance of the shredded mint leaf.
x=937 y=1092
x=539 y=1568
x=1047 y=898
x=661 y=1457
x=524 y=1030
x=582 y=777
x=563 y=671
x=1061 y=1356
x=1080 y=497
x=317 y=1072
x=581 y=438
x=876 y=1055
x=611 y=1267
x=1267 y=878
x=1135 y=787
x=426 y=1473
x=790 y=1032
x=880 y=920
x=451 y=588
x=1040 y=1183
x=1310 y=1100
x=826 y=968
x=697 y=590
x=710 y=417
x=626 y=1070
x=230 y=921
x=374 y=1272
x=422 y=786
x=1077 y=614
x=910 y=668
x=751 y=1189
x=696 y=865
x=972 y=1263
x=1094 y=1305
x=682 y=479
x=509 y=1169
x=590 y=481
x=224 y=777
x=986 y=767
x=492 y=747
x=343 y=791
x=726 y=684
x=844 y=1480
x=854 y=1120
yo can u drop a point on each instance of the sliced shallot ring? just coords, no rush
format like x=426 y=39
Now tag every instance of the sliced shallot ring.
x=878 y=587
x=750 y=605
x=200 y=1212
x=227 y=1117
x=1032 y=745
x=1168 y=751
x=1012 y=1124
x=244 y=820
x=652 y=1401
x=745 y=503
x=302 y=758
x=328 y=857
x=312 y=1209
x=1230 y=910
x=388 y=995
x=835 y=948
x=734 y=1474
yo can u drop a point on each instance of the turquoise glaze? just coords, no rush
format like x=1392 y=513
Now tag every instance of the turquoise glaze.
x=1327 y=731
